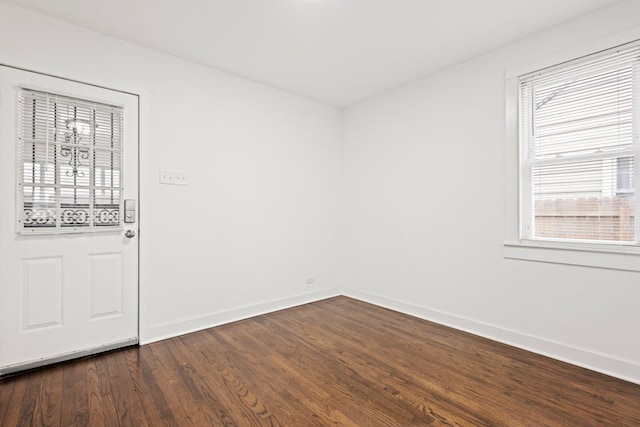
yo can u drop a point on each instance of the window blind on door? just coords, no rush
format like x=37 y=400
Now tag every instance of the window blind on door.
x=579 y=127
x=70 y=162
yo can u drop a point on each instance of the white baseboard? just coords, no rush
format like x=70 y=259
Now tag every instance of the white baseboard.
x=625 y=370
x=173 y=329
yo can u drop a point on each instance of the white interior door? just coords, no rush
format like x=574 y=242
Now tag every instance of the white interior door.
x=68 y=259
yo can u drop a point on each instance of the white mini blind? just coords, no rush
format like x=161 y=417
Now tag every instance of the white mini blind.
x=579 y=144
x=70 y=162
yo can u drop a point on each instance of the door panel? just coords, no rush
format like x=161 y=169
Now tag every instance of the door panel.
x=70 y=288
x=41 y=293
x=106 y=284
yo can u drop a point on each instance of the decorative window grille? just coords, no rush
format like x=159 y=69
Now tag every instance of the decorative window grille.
x=579 y=145
x=69 y=164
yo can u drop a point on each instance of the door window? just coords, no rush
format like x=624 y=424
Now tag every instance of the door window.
x=69 y=164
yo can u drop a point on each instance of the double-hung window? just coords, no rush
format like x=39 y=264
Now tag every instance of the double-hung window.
x=579 y=148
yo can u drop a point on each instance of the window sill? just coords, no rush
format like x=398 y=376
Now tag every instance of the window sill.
x=624 y=258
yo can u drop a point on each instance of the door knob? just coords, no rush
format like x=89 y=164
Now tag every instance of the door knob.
x=130 y=233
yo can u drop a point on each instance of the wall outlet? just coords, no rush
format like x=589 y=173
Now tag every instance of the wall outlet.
x=173 y=178
x=310 y=280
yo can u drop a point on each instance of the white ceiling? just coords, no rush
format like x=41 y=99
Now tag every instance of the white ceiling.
x=334 y=51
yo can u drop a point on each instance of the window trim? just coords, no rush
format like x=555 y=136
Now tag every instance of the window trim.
x=618 y=257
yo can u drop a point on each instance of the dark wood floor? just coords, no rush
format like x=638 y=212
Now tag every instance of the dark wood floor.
x=334 y=362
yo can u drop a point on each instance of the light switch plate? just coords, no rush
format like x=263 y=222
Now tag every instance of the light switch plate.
x=173 y=177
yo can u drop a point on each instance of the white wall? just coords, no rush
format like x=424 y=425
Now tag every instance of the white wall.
x=262 y=209
x=424 y=198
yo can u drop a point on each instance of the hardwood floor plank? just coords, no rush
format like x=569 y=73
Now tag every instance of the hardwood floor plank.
x=80 y=394
x=249 y=356
x=154 y=403
x=28 y=402
x=104 y=394
x=48 y=404
x=8 y=393
x=334 y=362
x=288 y=380
x=201 y=378
x=244 y=407
x=94 y=399
x=126 y=397
x=68 y=397
x=165 y=379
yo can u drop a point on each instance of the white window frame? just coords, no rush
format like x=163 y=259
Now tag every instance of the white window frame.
x=619 y=257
